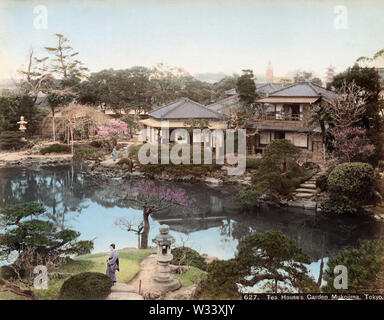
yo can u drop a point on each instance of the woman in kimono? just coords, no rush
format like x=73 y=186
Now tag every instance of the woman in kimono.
x=112 y=263
x=114 y=154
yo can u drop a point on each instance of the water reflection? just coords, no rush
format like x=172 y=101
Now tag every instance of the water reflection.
x=75 y=199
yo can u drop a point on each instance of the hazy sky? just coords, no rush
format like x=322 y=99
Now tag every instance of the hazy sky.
x=200 y=36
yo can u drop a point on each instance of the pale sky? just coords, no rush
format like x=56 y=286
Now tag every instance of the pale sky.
x=199 y=36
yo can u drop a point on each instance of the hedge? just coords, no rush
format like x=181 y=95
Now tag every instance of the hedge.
x=86 y=286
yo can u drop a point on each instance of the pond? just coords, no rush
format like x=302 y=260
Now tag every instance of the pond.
x=76 y=199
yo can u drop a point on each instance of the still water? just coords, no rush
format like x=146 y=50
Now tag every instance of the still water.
x=74 y=199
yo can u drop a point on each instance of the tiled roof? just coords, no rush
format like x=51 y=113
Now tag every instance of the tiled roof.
x=224 y=103
x=185 y=108
x=267 y=88
x=261 y=87
x=303 y=89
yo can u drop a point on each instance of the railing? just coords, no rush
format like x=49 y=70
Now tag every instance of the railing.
x=280 y=116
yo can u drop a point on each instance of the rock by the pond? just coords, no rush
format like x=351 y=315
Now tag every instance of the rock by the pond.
x=211 y=180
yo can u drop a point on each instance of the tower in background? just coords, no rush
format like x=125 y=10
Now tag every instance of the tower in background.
x=269 y=73
x=329 y=74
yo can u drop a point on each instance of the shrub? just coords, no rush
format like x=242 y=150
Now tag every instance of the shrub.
x=322 y=182
x=11 y=140
x=362 y=263
x=124 y=161
x=253 y=163
x=96 y=144
x=86 y=286
x=221 y=280
x=56 y=148
x=7 y=273
x=86 y=152
x=350 y=186
x=188 y=256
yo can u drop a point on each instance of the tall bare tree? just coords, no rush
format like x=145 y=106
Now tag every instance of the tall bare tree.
x=349 y=106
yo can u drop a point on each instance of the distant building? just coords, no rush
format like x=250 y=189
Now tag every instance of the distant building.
x=329 y=75
x=269 y=73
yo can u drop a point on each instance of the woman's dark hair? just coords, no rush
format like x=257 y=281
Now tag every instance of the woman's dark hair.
x=113 y=246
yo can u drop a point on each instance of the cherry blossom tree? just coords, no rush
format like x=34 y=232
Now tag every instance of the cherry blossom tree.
x=351 y=144
x=111 y=130
x=151 y=198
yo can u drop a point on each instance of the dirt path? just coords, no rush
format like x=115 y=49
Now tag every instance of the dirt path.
x=147 y=272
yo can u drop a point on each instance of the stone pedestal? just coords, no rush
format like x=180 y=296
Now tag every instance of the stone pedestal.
x=163 y=280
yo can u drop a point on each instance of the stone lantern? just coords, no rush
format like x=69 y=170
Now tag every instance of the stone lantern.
x=22 y=124
x=163 y=279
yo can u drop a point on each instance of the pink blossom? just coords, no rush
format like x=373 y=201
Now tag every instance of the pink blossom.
x=351 y=144
x=113 y=128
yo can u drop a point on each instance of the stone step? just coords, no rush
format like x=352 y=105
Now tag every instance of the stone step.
x=121 y=287
x=305 y=190
x=303 y=195
x=308 y=185
x=124 y=296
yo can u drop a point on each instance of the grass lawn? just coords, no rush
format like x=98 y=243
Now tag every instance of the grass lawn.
x=129 y=265
x=192 y=276
x=11 y=296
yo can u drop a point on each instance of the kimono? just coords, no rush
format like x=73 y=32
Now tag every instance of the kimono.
x=114 y=154
x=112 y=265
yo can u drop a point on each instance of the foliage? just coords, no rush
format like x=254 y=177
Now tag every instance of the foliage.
x=86 y=152
x=280 y=156
x=189 y=257
x=272 y=256
x=64 y=62
x=11 y=140
x=124 y=161
x=263 y=258
x=363 y=264
x=221 y=281
x=351 y=144
x=56 y=148
x=368 y=80
x=250 y=195
x=246 y=88
x=322 y=117
x=322 y=182
x=223 y=85
x=350 y=186
x=304 y=76
x=35 y=238
x=191 y=276
x=278 y=172
x=253 y=163
x=12 y=107
x=7 y=273
x=96 y=144
x=141 y=88
x=86 y=286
